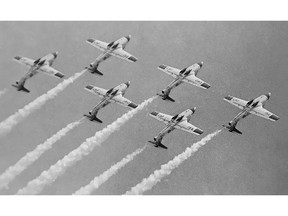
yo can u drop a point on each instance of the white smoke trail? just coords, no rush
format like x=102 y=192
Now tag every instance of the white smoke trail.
x=167 y=168
x=3 y=92
x=13 y=171
x=99 y=180
x=47 y=177
x=11 y=121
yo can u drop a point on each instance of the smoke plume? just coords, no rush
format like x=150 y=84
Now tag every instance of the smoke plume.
x=101 y=179
x=167 y=168
x=48 y=177
x=13 y=171
x=13 y=120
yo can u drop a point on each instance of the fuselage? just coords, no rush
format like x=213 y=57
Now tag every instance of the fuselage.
x=108 y=98
x=120 y=43
x=41 y=62
x=177 y=119
x=189 y=71
x=252 y=104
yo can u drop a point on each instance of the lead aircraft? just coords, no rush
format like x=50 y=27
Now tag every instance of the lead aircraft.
x=113 y=95
x=115 y=48
x=254 y=106
x=179 y=121
x=41 y=65
x=187 y=75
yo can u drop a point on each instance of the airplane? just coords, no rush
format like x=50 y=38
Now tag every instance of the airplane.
x=254 y=106
x=42 y=65
x=187 y=75
x=179 y=121
x=115 y=48
x=113 y=95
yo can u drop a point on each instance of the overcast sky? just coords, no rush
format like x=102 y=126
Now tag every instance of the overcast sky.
x=243 y=59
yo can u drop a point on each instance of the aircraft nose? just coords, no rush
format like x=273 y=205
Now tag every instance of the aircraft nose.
x=193 y=109
x=55 y=54
x=128 y=83
x=201 y=64
x=268 y=95
x=128 y=37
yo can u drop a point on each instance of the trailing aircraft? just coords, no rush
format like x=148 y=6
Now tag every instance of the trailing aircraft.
x=179 y=121
x=187 y=75
x=41 y=65
x=113 y=95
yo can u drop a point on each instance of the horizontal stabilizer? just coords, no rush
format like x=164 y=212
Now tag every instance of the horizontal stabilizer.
x=158 y=144
x=166 y=97
x=20 y=88
x=93 y=118
x=94 y=71
x=232 y=129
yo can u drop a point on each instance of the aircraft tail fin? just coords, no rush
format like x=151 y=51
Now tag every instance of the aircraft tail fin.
x=232 y=128
x=93 y=118
x=166 y=97
x=158 y=144
x=94 y=71
x=20 y=88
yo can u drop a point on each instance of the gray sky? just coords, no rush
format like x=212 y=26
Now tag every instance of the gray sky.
x=243 y=59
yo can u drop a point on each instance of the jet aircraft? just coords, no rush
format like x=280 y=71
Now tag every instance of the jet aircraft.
x=254 y=106
x=187 y=75
x=179 y=121
x=115 y=48
x=113 y=95
x=42 y=65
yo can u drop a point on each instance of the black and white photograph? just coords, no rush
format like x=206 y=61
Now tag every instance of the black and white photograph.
x=143 y=107
x=73 y=137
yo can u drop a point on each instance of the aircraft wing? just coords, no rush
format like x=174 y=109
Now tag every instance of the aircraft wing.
x=98 y=44
x=174 y=72
x=186 y=126
x=50 y=71
x=161 y=117
x=23 y=60
x=196 y=81
x=124 y=101
x=120 y=53
x=96 y=90
x=262 y=112
x=236 y=101
x=46 y=69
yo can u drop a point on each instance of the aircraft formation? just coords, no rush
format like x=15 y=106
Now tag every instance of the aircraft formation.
x=116 y=94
